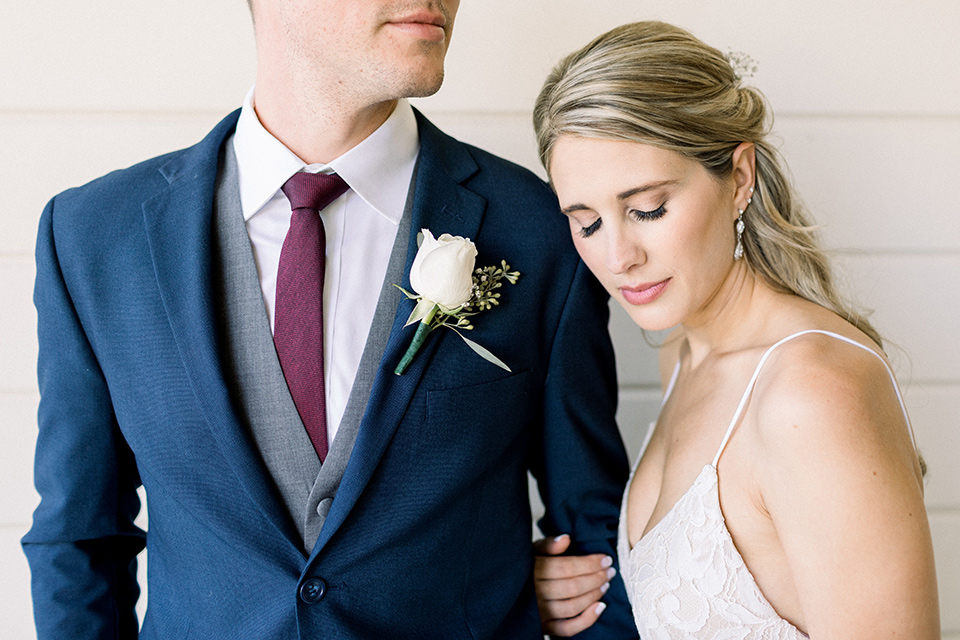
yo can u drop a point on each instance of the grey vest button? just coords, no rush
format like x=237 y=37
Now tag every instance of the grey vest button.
x=323 y=507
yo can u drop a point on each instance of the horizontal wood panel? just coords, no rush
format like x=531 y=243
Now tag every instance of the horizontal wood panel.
x=16 y=608
x=864 y=58
x=945 y=527
x=185 y=56
x=44 y=154
x=916 y=303
x=18 y=326
x=177 y=55
x=935 y=414
x=18 y=415
x=886 y=183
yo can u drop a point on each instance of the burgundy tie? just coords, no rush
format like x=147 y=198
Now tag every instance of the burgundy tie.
x=298 y=319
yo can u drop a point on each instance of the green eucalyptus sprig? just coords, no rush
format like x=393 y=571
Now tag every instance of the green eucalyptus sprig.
x=485 y=282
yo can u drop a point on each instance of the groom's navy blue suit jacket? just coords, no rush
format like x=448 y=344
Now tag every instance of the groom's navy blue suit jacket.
x=429 y=534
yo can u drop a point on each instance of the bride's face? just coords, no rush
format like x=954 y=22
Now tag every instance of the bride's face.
x=656 y=228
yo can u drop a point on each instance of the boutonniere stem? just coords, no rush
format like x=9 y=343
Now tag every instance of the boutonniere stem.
x=423 y=330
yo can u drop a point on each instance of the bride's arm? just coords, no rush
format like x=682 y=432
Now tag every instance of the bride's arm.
x=840 y=479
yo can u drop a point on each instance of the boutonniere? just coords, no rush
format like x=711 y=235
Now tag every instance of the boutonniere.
x=449 y=290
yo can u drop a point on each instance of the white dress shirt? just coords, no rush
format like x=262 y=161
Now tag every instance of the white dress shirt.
x=360 y=227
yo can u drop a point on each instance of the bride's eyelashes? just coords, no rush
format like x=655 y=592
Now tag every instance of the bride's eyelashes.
x=637 y=214
x=586 y=232
x=649 y=215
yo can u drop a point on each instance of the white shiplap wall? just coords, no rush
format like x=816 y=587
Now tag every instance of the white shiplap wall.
x=867 y=94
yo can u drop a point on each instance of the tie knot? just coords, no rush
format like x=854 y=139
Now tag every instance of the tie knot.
x=313 y=190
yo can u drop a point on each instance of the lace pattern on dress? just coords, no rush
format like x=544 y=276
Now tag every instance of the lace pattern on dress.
x=686 y=579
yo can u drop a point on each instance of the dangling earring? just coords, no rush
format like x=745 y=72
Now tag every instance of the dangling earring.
x=738 y=250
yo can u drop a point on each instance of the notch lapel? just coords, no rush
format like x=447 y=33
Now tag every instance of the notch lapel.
x=443 y=205
x=178 y=224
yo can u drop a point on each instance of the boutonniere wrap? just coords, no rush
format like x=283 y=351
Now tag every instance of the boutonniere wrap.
x=449 y=290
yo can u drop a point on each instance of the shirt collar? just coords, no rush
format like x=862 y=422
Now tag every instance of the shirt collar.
x=379 y=169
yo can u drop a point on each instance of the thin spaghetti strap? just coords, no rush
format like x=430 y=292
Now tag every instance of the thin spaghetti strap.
x=763 y=359
x=670 y=385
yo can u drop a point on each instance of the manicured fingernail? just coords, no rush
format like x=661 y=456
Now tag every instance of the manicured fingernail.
x=610 y=573
x=605 y=587
x=561 y=537
x=606 y=562
x=600 y=607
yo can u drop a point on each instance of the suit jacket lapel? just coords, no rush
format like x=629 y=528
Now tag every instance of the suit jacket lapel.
x=178 y=225
x=443 y=205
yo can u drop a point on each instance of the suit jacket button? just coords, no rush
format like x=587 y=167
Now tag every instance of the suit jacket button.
x=313 y=590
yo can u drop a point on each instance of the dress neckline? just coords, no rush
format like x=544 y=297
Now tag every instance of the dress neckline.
x=676 y=506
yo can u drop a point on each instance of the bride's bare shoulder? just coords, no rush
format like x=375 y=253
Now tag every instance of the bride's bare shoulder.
x=823 y=397
x=839 y=479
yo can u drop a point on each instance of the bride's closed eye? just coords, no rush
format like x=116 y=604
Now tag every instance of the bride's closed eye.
x=649 y=215
x=586 y=232
x=637 y=214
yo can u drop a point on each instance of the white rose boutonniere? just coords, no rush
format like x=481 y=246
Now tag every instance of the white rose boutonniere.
x=442 y=269
x=449 y=290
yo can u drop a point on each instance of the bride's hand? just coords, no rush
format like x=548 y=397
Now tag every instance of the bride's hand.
x=569 y=588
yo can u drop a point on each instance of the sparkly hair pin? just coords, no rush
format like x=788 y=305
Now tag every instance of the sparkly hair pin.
x=743 y=65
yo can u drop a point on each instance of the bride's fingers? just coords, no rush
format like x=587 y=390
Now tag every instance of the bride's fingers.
x=575 y=586
x=573 y=626
x=551 y=546
x=559 y=567
x=570 y=607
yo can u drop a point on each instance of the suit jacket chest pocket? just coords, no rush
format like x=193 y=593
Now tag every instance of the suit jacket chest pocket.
x=480 y=421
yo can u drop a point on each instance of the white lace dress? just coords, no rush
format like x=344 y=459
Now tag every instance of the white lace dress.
x=685 y=577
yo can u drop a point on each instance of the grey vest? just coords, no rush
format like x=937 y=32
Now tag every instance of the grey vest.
x=253 y=372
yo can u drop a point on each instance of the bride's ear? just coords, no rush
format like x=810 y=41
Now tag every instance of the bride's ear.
x=744 y=162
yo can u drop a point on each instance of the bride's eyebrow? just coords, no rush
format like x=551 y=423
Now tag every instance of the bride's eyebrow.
x=621 y=196
x=647 y=187
x=574 y=207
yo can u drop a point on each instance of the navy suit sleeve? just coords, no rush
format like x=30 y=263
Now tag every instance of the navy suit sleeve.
x=582 y=466
x=83 y=544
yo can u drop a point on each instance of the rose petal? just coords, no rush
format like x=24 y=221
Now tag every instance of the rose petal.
x=445 y=274
x=429 y=244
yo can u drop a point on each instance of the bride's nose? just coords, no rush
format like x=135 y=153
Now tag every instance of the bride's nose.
x=623 y=251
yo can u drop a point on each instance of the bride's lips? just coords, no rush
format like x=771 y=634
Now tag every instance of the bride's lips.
x=422 y=24
x=644 y=293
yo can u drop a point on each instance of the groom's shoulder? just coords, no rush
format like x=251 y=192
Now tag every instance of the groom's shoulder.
x=494 y=177
x=117 y=186
x=92 y=215
x=519 y=201
x=511 y=181
x=515 y=195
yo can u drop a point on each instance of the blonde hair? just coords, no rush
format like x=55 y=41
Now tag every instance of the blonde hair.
x=654 y=83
